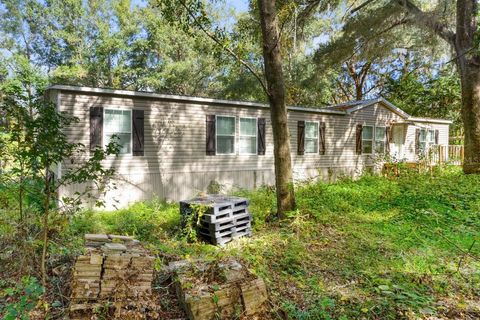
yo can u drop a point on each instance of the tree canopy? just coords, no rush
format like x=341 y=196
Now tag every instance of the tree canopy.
x=333 y=51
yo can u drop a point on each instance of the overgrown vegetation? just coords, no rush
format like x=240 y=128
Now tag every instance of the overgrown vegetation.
x=32 y=216
x=374 y=248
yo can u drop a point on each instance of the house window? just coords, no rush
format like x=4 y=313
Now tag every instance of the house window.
x=119 y=123
x=426 y=139
x=225 y=135
x=311 y=137
x=380 y=139
x=248 y=136
x=367 y=139
x=431 y=137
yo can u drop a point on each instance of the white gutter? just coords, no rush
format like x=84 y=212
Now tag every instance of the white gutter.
x=430 y=120
x=315 y=110
x=142 y=94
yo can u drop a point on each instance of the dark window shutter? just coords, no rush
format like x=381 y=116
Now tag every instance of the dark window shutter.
x=261 y=136
x=211 y=143
x=417 y=141
x=96 y=127
x=388 y=139
x=138 y=132
x=358 y=147
x=301 y=138
x=437 y=133
x=322 y=137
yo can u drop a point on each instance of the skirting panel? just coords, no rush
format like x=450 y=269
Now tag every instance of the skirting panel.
x=128 y=188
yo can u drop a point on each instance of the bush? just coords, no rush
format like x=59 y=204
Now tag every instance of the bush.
x=147 y=221
x=20 y=299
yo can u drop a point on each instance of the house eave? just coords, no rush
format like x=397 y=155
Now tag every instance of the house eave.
x=385 y=102
x=430 y=120
x=171 y=97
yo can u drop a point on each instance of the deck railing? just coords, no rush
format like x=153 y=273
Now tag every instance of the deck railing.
x=452 y=154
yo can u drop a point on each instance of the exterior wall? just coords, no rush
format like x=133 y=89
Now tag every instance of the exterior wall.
x=409 y=148
x=340 y=157
x=175 y=165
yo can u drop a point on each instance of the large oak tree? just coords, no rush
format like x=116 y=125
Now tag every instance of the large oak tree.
x=455 y=22
x=463 y=38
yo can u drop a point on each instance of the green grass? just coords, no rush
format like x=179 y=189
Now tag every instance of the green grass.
x=372 y=248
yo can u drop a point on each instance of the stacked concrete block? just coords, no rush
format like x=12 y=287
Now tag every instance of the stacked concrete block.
x=224 y=218
x=233 y=291
x=114 y=268
x=86 y=277
x=127 y=276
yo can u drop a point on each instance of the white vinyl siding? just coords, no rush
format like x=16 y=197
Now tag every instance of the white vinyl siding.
x=248 y=136
x=225 y=131
x=367 y=140
x=175 y=166
x=311 y=137
x=118 y=122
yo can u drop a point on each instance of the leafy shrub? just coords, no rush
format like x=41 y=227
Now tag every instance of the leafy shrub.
x=262 y=204
x=191 y=222
x=147 y=221
x=20 y=299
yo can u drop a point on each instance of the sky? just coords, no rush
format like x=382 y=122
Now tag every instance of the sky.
x=239 y=5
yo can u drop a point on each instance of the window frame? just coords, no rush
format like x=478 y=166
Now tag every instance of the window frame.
x=234 y=135
x=428 y=143
x=104 y=133
x=384 y=140
x=372 y=139
x=240 y=135
x=305 y=138
x=431 y=142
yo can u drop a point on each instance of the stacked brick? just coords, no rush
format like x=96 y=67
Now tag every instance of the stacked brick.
x=127 y=276
x=232 y=291
x=222 y=219
x=86 y=277
x=114 y=268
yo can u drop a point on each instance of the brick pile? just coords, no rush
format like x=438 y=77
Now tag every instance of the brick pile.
x=114 y=268
x=218 y=290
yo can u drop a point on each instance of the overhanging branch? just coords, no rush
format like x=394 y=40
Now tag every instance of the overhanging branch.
x=427 y=20
x=232 y=53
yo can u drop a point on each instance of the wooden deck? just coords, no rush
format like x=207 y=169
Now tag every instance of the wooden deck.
x=437 y=155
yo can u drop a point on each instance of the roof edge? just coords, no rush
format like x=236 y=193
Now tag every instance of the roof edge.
x=430 y=120
x=385 y=102
x=143 y=94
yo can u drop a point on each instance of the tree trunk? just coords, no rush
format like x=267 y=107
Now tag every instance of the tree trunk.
x=470 y=80
x=358 y=92
x=468 y=63
x=278 y=110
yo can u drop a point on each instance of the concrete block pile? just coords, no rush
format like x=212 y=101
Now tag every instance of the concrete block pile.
x=224 y=290
x=113 y=268
x=222 y=219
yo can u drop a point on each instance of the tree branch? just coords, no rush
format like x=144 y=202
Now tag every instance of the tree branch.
x=227 y=49
x=361 y=6
x=394 y=25
x=427 y=20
